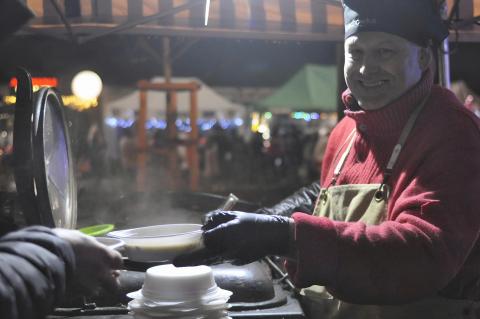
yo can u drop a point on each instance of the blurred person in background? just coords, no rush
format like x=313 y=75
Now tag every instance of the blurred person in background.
x=391 y=230
x=257 y=164
x=112 y=146
x=313 y=151
x=128 y=153
x=473 y=104
x=465 y=94
x=218 y=151
x=320 y=147
x=96 y=147
x=38 y=264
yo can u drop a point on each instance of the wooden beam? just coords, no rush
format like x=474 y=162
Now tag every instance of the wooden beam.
x=187 y=86
x=172 y=141
x=97 y=30
x=142 y=143
x=193 y=146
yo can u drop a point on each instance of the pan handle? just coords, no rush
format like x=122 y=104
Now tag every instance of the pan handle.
x=229 y=202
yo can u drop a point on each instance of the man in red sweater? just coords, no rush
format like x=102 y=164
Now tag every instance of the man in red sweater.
x=393 y=230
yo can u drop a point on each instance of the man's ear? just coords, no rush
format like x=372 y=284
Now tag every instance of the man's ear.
x=425 y=58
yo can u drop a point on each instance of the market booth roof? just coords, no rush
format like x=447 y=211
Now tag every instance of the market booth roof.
x=298 y=20
x=263 y=19
x=313 y=88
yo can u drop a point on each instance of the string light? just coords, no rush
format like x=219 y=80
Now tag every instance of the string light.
x=182 y=125
x=70 y=101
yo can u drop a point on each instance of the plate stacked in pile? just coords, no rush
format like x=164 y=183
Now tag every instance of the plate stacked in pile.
x=186 y=292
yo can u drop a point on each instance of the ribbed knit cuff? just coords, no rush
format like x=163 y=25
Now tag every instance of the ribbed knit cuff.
x=315 y=260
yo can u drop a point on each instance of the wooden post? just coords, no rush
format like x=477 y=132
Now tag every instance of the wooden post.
x=193 y=145
x=172 y=154
x=142 y=143
x=167 y=66
x=171 y=116
x=172 y=140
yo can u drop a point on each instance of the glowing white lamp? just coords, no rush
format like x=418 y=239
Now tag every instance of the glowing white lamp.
x=87 y=85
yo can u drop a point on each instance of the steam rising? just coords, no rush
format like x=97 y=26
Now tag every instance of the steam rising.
x=139 y=210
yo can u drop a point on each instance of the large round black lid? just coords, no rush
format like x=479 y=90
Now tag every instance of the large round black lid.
x=43 y=167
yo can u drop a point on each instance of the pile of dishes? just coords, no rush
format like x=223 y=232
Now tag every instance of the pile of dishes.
x=185 y=292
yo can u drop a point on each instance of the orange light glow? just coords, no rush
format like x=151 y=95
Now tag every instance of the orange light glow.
x=50 y=82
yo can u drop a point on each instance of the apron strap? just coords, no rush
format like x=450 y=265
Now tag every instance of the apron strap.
x=342 y=160
x=407 y=129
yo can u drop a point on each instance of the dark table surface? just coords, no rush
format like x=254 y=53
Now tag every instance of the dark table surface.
x=291 y=310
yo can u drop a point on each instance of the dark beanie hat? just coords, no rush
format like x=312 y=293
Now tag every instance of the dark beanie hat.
x=415 y=20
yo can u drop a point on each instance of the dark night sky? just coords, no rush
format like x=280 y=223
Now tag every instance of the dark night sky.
x=124 y=59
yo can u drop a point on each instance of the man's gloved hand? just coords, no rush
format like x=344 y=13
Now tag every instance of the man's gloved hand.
x=240 y=238
x=96 y=264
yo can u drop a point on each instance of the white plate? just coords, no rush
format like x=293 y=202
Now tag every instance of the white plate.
x=218 y=296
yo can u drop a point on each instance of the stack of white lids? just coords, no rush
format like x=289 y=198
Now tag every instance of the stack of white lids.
x=185 y=292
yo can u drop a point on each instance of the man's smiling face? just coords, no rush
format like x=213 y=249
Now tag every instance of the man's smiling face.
x=380 y=67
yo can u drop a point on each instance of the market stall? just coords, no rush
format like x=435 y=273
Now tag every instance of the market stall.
x=190 y=98
x=209 y=101
x=84 y=20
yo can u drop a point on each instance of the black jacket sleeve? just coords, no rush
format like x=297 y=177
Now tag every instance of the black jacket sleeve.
x=302 y=200
x=34 y=267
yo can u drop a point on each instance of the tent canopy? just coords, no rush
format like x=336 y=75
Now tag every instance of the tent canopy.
x=312 y=88
x=299 y=20
x=209 y=102
x=273 y=19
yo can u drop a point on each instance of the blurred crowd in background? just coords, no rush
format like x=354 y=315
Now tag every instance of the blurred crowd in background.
x=232 y=159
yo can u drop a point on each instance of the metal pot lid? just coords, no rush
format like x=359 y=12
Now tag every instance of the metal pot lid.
x=43 y=167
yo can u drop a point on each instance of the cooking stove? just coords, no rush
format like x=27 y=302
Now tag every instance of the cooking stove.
x=260 y=290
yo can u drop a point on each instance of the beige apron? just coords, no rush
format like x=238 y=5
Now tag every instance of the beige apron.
x=368 y=203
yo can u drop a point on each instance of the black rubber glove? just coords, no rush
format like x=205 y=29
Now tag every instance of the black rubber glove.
x=302 y=200
x=239 y=238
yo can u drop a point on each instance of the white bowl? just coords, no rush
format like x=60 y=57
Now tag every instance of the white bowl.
x=160 y=243
x=112 y=243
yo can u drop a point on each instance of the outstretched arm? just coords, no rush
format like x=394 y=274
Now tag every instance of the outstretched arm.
x=302 y=200
x=34 y=266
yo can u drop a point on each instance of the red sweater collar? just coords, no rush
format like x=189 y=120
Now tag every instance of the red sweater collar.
x=391 y=118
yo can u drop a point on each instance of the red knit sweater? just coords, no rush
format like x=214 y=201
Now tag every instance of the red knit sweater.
x=428 y=244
